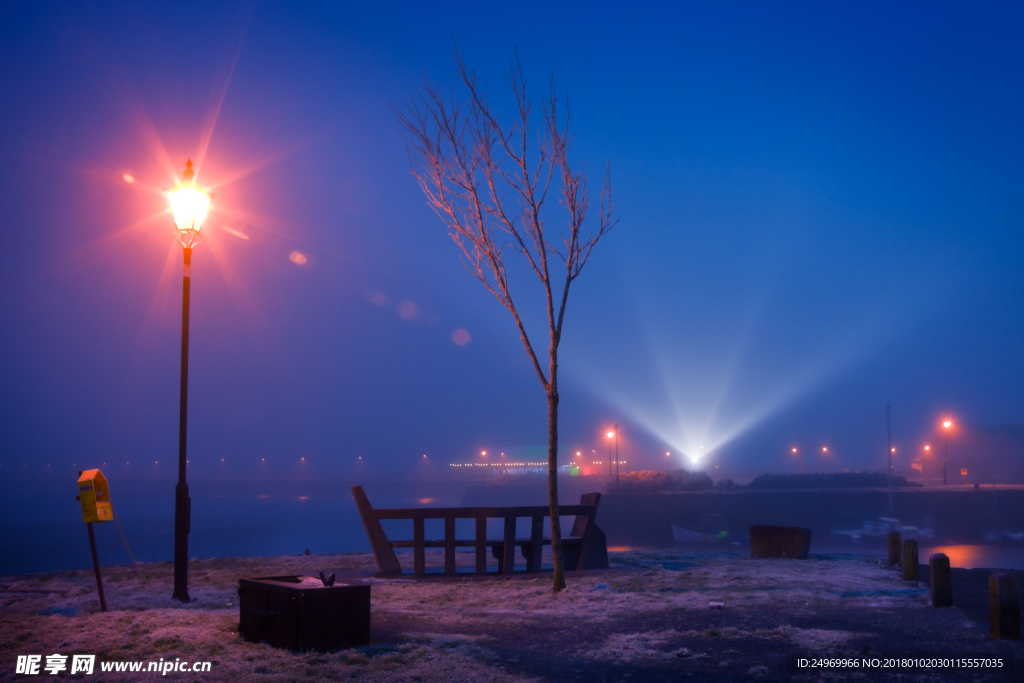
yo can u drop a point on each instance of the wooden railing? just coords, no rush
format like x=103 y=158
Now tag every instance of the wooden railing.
x=583 y=548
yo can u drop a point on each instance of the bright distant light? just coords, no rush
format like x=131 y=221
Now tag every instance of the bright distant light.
x=794 y=450
x=424 y=455
x=128 y=178
x=824 y=449
x=947 y=424
x=484 y=453
x=298 y=258
x=611 y=434
x=927 y=448
x=893 y=449
x=666 y=453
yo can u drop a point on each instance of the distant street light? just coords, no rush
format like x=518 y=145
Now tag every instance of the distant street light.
x=945 y=447
x=800 y=459
x=189 y=204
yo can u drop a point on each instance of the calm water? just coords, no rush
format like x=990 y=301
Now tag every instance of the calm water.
x=41 y=523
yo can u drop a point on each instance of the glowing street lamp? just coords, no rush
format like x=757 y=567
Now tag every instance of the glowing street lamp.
x=614 y=434
x=189 y=204
x=800 y=458
x=945 y=447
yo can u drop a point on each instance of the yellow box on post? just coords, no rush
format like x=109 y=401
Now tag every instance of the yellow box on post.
x=94 y=496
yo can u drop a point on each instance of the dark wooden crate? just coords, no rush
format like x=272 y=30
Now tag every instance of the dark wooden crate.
x=300 y=613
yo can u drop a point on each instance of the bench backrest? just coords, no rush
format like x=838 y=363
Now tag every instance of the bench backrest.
x=383 y=548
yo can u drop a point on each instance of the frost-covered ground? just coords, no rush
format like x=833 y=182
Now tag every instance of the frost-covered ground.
x=647 y=620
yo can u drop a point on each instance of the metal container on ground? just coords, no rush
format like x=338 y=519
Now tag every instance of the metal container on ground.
x=300 y=613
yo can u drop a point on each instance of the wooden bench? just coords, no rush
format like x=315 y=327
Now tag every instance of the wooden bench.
x=584 y=548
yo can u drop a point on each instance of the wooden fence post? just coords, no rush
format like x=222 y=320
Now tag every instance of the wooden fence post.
x=910 y=560
x=942 y=580
x=1004 y=606
x=895 y=542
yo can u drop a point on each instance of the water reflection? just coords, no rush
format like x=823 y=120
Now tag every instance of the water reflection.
x=996 y=556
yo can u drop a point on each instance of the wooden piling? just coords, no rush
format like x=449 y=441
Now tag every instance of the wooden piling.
x=1004 y=606
x=895 y=541
x=941 y=579
x=910 y=560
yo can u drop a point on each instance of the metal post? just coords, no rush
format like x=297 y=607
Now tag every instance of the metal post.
x=888 y=442
x=96 y=567
x=616 y=457
x=945 y=455
x=609 y=459
x=182 y=501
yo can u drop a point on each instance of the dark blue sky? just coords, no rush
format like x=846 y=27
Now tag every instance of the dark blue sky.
x=820 y=211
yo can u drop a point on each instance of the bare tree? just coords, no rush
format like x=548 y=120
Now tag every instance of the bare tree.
x=489 y=183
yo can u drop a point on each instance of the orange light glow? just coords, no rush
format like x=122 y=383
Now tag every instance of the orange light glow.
x=128 y=178
x=824 y=449
x=927 y=448
x=189 y=204
x=947 y=424
x=426 y=501
x=483 y=453
x=298 y=258
x=794 y=450
x=611 y=434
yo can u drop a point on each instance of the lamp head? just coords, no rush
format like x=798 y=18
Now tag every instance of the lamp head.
x=189 y=204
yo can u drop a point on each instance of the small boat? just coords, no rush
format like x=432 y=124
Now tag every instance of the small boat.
x=711 y=529
x=878 y=529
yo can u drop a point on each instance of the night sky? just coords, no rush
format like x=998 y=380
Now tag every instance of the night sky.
x=820 y=212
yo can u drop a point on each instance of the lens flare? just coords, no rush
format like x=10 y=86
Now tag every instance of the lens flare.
x=408 y=310
x=236 y=233
x=461 y=337
x=298 y=258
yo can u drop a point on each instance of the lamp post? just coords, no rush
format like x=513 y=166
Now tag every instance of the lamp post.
x=616 y=457
x=189 y=204
x=945 y=448
x=610 y=436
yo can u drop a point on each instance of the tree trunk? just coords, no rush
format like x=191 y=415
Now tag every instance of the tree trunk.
x=556 y=527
